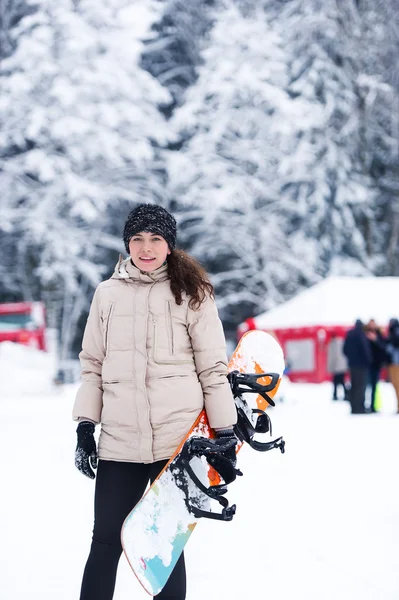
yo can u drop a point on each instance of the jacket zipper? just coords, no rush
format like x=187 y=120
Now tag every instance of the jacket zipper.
x=170 y=326
x=110 y=311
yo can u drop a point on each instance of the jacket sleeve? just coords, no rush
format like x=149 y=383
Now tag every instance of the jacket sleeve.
x=395 y=337
x=88 y=402
x=368 y=356
x=209 y=347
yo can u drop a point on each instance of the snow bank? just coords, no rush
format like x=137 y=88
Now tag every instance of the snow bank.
x=320 y=522
x=25 y=370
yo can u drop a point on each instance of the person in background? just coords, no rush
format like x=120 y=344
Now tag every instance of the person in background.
x=358 y=352
x=393 y=356
x=378 y=357
x=337 y=365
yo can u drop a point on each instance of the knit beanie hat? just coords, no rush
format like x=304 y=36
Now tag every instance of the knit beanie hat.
x=151 y=218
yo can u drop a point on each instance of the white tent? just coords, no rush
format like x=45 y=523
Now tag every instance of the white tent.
x=337 y=301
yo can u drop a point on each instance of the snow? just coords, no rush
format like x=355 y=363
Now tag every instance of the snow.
x=337 y=301
x=258 y=350
x=320 y=522
x=25 y=370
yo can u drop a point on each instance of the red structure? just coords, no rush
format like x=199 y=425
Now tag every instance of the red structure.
x=305 y=349
x=305 y=324
x=23 y=323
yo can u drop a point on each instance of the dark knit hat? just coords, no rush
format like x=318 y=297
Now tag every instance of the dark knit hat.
x=151 y=218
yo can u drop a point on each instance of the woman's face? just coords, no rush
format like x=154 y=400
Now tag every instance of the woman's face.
x=148 y=250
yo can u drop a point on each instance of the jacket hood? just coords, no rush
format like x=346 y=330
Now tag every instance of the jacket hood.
x=125 y=269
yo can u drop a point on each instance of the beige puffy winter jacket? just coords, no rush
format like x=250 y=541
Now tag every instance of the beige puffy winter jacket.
x=149 y=366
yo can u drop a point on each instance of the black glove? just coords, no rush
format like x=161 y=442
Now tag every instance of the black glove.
x=227 y=435
x=86 y=451
x=223 y=458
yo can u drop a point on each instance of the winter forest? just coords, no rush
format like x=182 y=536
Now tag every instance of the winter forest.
x=268 y=127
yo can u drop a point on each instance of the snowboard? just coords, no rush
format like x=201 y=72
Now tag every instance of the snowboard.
x=156 y=531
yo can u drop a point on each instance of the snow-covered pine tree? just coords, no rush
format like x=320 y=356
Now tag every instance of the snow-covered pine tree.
x=236 y=128
x=173 y=52
x=11 y=12
x=378 y=83
x=328 y=192
x=80 y=129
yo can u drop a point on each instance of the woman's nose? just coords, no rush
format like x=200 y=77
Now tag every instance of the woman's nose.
x=146 y=247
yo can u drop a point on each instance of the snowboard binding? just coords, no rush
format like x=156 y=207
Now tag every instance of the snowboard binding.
x=214 y=451
x=242 y=383
x=245 y=428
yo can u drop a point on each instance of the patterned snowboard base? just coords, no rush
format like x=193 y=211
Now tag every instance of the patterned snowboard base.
x=156 y=531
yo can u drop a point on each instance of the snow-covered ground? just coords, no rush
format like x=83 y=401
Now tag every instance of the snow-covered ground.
x=320 y=522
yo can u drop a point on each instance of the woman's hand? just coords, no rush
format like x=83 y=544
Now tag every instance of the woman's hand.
x=86 y=451
x=228 y=435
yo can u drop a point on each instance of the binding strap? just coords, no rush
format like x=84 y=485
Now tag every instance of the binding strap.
x=212 y=450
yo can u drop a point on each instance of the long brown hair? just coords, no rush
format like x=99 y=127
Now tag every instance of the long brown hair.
x=188 y=276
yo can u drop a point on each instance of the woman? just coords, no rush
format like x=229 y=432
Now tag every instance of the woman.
x=337 y=365
x=153 y=355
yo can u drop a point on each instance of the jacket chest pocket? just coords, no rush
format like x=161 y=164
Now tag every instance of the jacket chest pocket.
x=167 y=356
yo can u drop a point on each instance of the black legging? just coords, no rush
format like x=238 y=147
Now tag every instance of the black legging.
x=119 y=486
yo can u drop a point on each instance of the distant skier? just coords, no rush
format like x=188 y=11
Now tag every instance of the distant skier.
x=393 y=356
x=358 y=352
x=153 y=356
x=337 y=365
x=379 y=357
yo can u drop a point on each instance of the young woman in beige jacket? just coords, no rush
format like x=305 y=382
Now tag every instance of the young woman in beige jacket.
x=153 y=356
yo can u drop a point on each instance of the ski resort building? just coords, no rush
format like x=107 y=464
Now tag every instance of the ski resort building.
x=305 y=324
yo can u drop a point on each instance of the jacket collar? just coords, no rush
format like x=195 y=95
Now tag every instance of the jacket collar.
x=125 y=269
